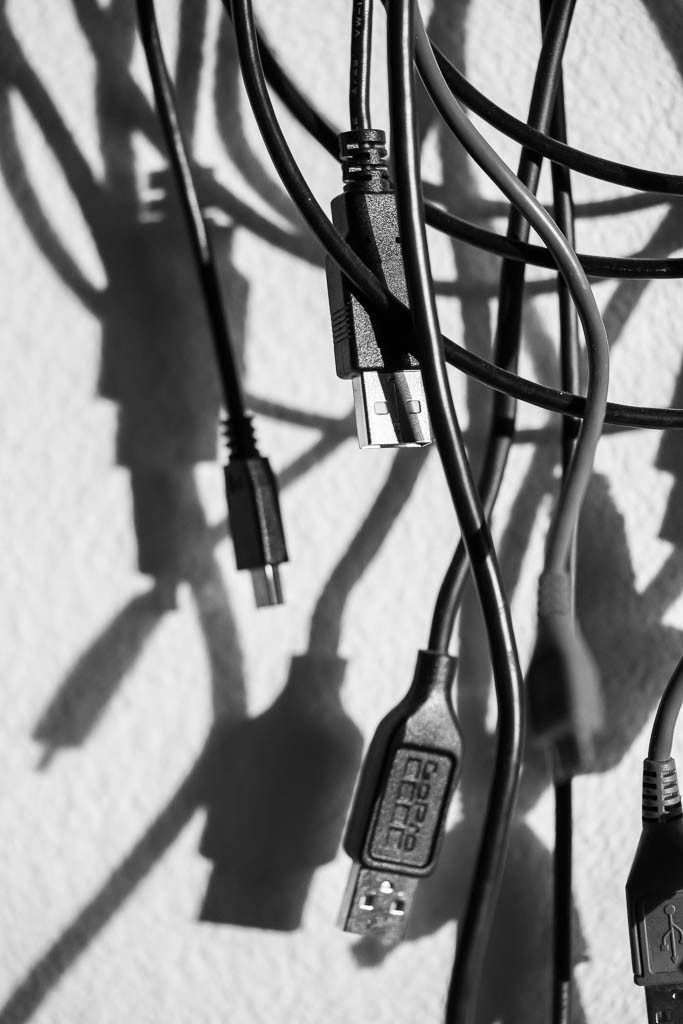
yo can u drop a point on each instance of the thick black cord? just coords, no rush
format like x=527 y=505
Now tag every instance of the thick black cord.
x=506 y=670
x=320 y=129
x=509 y=325
x=317 y=126
x=637 y=268
x=368 y=285
x=562 y=402
x=199 y=234
x=359 y=74
x=575 y=159
x=562 y=905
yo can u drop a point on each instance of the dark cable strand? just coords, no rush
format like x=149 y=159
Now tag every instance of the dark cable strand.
x=373 y=291
x=562 y=905
x=509 y=323
x=562 y=402
x=305 y=113
x=638 y=268
x=662 y=736
x=563 y=964
x=326 y=134
x=506 y=670
x=197 y=227
x=287 y=167
x=638 y=178
x=359 y=74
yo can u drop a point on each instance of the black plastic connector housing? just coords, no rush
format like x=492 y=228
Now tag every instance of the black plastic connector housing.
x=398 y=816
x=256 y=525
x=654 y=896
x=370 y=350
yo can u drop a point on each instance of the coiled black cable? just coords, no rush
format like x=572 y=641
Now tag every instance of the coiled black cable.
x=359 y=73
x=551 y=149
x=373 y=291
x=629 y=267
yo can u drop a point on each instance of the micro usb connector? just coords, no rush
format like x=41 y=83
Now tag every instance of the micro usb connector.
x=389 y=398
x=254 y=512
x=402 y=797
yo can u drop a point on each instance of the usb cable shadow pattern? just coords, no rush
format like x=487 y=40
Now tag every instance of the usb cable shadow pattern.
x=163 y=431
x=634 y=650
x=306 y=724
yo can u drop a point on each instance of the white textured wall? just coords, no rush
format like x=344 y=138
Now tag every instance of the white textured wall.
x=108 y=701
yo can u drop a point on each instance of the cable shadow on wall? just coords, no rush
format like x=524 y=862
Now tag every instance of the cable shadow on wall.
x=160 y=447
x=635 y=651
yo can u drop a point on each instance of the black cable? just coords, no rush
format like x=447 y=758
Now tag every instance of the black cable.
x=509 y=324
x=562 y=905
x=197 y=227
x=315 y=123
x=359 y=73
x=565 y=403
x=286 y=166
x=507 y=675
x=585 y=163
x=563 y=963
x=636 y=268
x=662 y=736
x=372 y=290
x=320 y=129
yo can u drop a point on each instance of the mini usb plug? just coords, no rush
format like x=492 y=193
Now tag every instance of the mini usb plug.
x=389 y=397
x=398 y=816
x=391 y=410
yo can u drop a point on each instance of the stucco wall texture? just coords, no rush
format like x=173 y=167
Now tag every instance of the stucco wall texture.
x=175 y=780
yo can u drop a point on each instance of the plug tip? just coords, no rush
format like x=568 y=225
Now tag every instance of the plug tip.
x=267 y=586
x=391 y=410
x=377 y=904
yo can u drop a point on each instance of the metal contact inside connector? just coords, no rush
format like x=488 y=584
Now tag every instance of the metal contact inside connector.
x=391 y=410
x=376 y=903
x=267 y=586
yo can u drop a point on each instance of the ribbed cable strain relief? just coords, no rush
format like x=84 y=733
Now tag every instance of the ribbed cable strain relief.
x=554 y=594
x=363 y=156
x=239 y=437
x=661 y=796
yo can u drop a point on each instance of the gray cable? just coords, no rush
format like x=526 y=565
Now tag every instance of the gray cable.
x=662 y=737
x=578 y=476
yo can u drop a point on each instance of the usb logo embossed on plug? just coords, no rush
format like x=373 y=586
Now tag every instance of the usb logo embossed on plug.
x=673 y=935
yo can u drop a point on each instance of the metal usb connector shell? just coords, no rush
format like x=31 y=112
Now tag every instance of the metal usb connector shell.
x=371 y=351
x=654 y=896
x=391 y=409
x=399 y=812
